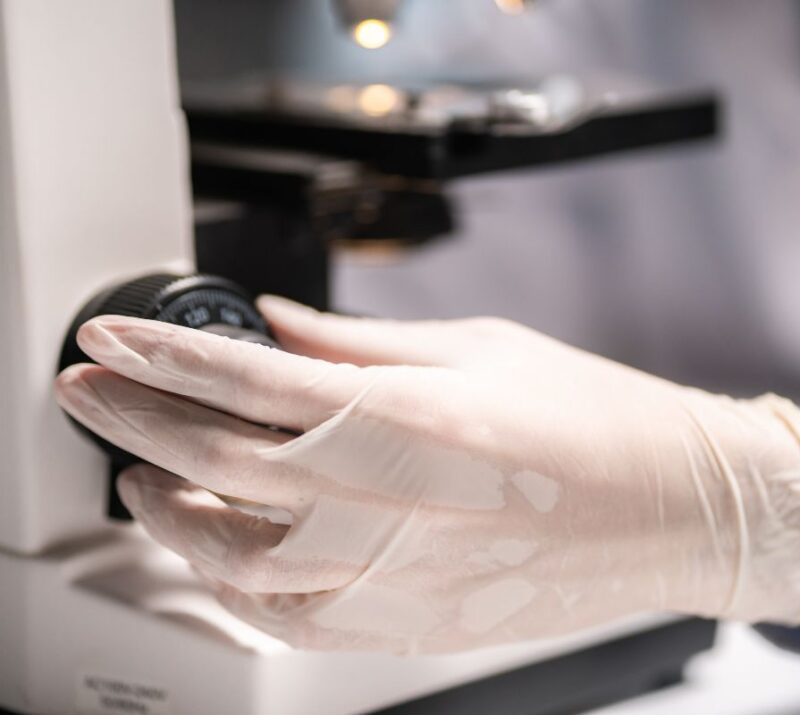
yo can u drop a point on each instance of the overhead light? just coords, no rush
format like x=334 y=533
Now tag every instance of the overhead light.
x=511 y=7
x=370 y=23
x=372 y=34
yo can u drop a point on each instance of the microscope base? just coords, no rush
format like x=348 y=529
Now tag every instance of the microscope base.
x=120 y=625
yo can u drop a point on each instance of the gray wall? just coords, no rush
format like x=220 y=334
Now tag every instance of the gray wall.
x=685 y=263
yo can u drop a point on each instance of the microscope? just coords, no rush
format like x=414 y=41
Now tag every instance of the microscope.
x=123 y=191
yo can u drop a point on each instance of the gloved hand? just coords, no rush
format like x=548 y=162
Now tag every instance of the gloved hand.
x=456 y=484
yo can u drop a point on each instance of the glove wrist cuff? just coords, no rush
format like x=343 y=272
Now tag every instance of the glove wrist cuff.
x=769 y=480
x=786 y=411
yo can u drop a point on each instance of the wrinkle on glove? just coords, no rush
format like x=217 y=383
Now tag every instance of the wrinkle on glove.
x=457 y=484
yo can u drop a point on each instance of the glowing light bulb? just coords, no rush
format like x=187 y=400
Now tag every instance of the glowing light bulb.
x=372 y=34
x=378 y=100
x=511 y=7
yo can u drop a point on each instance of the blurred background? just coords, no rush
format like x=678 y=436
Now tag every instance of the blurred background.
x=683 y=262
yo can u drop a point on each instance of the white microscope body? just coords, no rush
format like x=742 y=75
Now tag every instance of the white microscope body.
x=94 y=617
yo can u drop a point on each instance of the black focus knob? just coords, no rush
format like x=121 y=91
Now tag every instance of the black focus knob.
x=203 y=302
x=197 y=301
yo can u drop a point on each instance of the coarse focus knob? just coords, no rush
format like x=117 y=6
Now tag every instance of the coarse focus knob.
x=203 y=302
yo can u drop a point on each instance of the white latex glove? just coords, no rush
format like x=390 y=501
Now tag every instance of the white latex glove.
x=457 y=484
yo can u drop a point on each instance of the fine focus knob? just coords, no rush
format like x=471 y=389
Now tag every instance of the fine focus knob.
x=203 y=302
